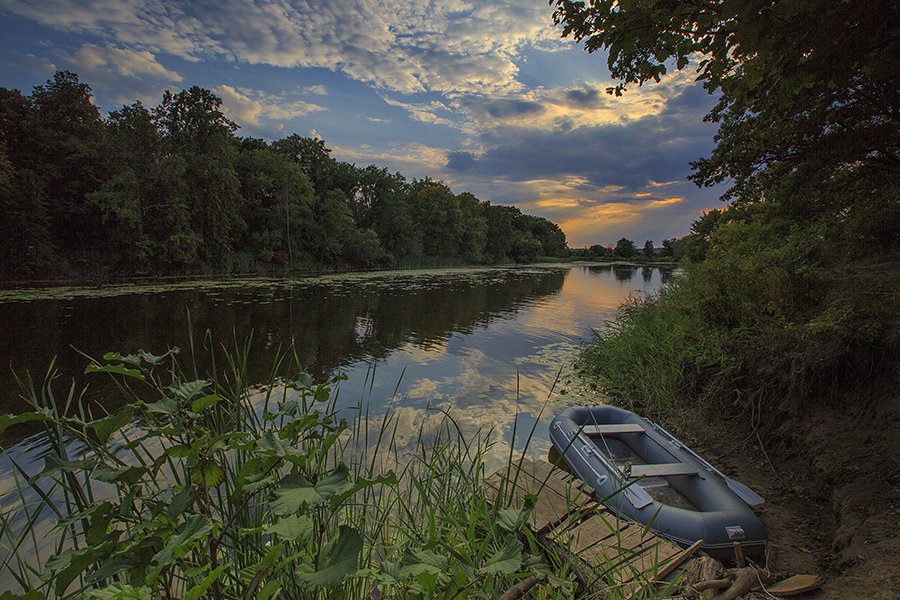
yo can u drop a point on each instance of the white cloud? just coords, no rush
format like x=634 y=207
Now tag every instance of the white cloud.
x=247 y=107
x=318 y=90
x=406 y=47
x=426 y=112
x=411 y=159
x=93 y=60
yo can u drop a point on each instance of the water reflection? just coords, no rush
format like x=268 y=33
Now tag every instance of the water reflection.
x=333 y=322
x=483 y=344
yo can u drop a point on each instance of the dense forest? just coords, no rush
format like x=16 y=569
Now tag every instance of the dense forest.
x=173 y=190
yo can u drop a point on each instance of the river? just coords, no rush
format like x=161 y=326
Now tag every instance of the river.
x=484 y=343
x=491 y=347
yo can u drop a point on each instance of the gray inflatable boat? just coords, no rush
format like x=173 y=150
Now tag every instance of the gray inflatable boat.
x=643 y=473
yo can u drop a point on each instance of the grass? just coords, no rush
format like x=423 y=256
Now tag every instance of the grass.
x=203 y=486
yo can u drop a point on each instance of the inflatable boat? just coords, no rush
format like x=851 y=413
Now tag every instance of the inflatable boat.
x=643 y=473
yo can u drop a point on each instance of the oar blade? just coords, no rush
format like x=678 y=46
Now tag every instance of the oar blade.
x=744 y=492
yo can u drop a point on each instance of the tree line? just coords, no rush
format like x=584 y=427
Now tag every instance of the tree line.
x=173 y=190
x=626 y=248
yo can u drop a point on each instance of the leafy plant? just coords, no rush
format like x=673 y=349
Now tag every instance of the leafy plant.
x=201 y=486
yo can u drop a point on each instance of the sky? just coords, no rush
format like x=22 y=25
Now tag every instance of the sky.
x=483 y=95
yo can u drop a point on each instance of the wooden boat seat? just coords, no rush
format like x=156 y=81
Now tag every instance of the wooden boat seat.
x=613 y=428
x=663 y=470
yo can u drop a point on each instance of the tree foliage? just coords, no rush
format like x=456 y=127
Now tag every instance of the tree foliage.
x=172 y=190
x=625 y=248
x=804 y=85
x=780 y=306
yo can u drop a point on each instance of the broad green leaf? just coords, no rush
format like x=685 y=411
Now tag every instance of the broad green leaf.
x=536 y=565
x=506 y=560
x=132 y=359
x=181 y=451
x=106 y=426
x=205 y=402
x=154 y=360
x=54 y=463
x=293 y=527
x=198 y=591
x=208 y=474
x=126 y=475
x=338 y=559
x=422 y=561
x=32 y=595
x=295 y=491
x=119 y=369
x=511 y=519
x=195 y=528
x=428 y=582
x=110 y=567
x=118 y=591
x=7 y=421
x=180 y=502
x=257 y=473
x=388 y=479
x=69 y=565
x=299 y=425
x=166 y=406
x=189 y=389
x=270 y=590
x=458 y=588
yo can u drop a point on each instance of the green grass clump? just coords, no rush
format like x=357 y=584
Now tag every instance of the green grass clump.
x=202 y=486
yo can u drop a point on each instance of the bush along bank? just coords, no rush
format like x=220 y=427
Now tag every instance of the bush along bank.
x=778 y=348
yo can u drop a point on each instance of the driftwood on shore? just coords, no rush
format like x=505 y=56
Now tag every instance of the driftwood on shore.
x=707 y=579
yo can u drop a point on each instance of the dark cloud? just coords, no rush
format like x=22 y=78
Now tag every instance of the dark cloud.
x=586 y=97
x=460 y=160
x=627 y=154
x=504 y=109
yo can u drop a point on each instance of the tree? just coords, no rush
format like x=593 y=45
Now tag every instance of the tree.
x=525 y=247
x=194 y=128
x=314 y=159
x=668 y=248
x=69 y=137
x=26 y=249
x=552 y=238
x=649 y=252
x=501 y=222
x=471 y=231
x=277 y=206
x=132 y=195
x=597 y=250
x=794 y=94
x=625 y=248
x=437 y=215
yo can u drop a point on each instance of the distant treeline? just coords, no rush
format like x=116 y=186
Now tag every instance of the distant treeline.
x=173 y=190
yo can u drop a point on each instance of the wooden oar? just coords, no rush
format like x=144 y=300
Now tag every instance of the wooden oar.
x=743 y=492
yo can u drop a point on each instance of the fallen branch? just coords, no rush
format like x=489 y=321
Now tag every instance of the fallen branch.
x=717 y=584
x=740 y=586
x=520 y=589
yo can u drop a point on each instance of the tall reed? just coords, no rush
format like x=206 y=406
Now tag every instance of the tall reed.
x=204 y=486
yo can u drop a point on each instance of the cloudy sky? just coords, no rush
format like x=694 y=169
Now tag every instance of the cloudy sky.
x=481 y=94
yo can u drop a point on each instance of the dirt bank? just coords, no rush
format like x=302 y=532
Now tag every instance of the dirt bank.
x=831 y=476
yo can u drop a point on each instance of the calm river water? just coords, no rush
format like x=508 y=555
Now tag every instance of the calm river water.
x=490 y=346
x=485 y=344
